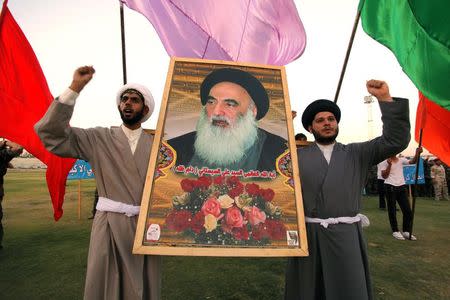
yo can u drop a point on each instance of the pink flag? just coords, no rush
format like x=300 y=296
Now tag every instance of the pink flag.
x=258 y=31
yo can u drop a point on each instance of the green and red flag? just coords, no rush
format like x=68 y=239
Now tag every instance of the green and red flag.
x=434 y=121
x=417 y=32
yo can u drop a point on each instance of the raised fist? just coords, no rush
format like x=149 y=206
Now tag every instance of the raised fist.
x=81 y=77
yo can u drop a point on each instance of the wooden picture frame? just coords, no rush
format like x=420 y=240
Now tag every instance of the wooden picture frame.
x=205 y=210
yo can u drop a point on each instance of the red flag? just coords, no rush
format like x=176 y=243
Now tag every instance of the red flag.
x=24 y=98
x=433 y=120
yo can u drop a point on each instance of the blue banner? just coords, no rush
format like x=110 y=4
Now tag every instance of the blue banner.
x=409 y=172
x=80 y=170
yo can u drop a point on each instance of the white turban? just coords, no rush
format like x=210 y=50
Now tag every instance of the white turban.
x=148 y=98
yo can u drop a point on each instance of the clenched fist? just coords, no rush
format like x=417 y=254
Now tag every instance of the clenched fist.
x=81 y=77
x=379 y=89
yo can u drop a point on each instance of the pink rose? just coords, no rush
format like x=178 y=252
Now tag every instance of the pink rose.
x=211 y=207
x=234 y=218
x=255 y=215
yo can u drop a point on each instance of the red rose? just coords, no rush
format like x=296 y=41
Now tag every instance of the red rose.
x=232 y=181
x=252 y=189
x=203 y=182
x=212 y=207
x=178 y=220
x=197 y=222
x=276 y=229
x=241 y=233
x=260 y=231
x=187 y=185
x=236 y=190
x=234 y=218
x=267 y=194
x=219 y=180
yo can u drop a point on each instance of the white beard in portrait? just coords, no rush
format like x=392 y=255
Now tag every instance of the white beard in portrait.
x=225 y=145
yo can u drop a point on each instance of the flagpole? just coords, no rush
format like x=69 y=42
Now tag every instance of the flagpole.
x=122 y=32
x=347 y=55
x=422 y=122
x=413 y=209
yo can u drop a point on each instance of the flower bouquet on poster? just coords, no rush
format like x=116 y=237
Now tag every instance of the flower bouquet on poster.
x=224 y=211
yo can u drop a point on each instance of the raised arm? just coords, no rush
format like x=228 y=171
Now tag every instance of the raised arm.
x=54 y=129
x=396 y=127
x=416 y=156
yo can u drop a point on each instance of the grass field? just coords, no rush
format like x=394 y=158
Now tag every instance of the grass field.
x=43 y=259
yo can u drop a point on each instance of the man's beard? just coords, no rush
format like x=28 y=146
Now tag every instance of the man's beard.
x=221 y=146
x=134 y=120
x=325 y=140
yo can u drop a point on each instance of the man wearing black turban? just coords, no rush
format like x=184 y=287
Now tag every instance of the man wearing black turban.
x=332 y=177
x=227 y=134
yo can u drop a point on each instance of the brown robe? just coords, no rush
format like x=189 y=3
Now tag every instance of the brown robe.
x=113 y=272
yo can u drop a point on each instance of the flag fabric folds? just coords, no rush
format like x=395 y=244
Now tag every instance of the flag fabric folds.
x=257 y=31
x=434 y=121
x=417 y=32
x=24 y=98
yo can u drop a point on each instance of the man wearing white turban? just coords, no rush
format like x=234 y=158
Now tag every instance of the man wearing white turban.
x=119 y=158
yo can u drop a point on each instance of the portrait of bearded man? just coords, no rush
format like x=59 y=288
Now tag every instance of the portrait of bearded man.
x=227 y=133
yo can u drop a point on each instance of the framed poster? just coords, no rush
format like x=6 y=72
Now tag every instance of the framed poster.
x=222 y=179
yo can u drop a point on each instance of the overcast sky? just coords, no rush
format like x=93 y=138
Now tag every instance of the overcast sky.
x=68 y=34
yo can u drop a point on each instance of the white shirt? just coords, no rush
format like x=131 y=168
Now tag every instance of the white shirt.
x=327 y=150
x=133 y=136
x=381 y=167
x=69 y=97
x=395 y=177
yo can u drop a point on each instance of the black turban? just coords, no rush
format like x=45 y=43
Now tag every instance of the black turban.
x=249 y=82
x=318 y=106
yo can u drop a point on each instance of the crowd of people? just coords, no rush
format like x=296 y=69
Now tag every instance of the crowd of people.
x=337 y=266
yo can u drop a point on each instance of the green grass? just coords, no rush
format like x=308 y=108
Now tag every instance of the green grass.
x=43 y=259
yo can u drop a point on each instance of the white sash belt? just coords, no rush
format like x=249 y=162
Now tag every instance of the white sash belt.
x=347 y=220
x=105 y=204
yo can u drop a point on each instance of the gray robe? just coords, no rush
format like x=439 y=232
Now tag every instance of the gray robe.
x=113 y=272
x=337 y=265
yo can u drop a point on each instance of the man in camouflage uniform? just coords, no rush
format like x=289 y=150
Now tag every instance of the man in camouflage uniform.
x=439 y=181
